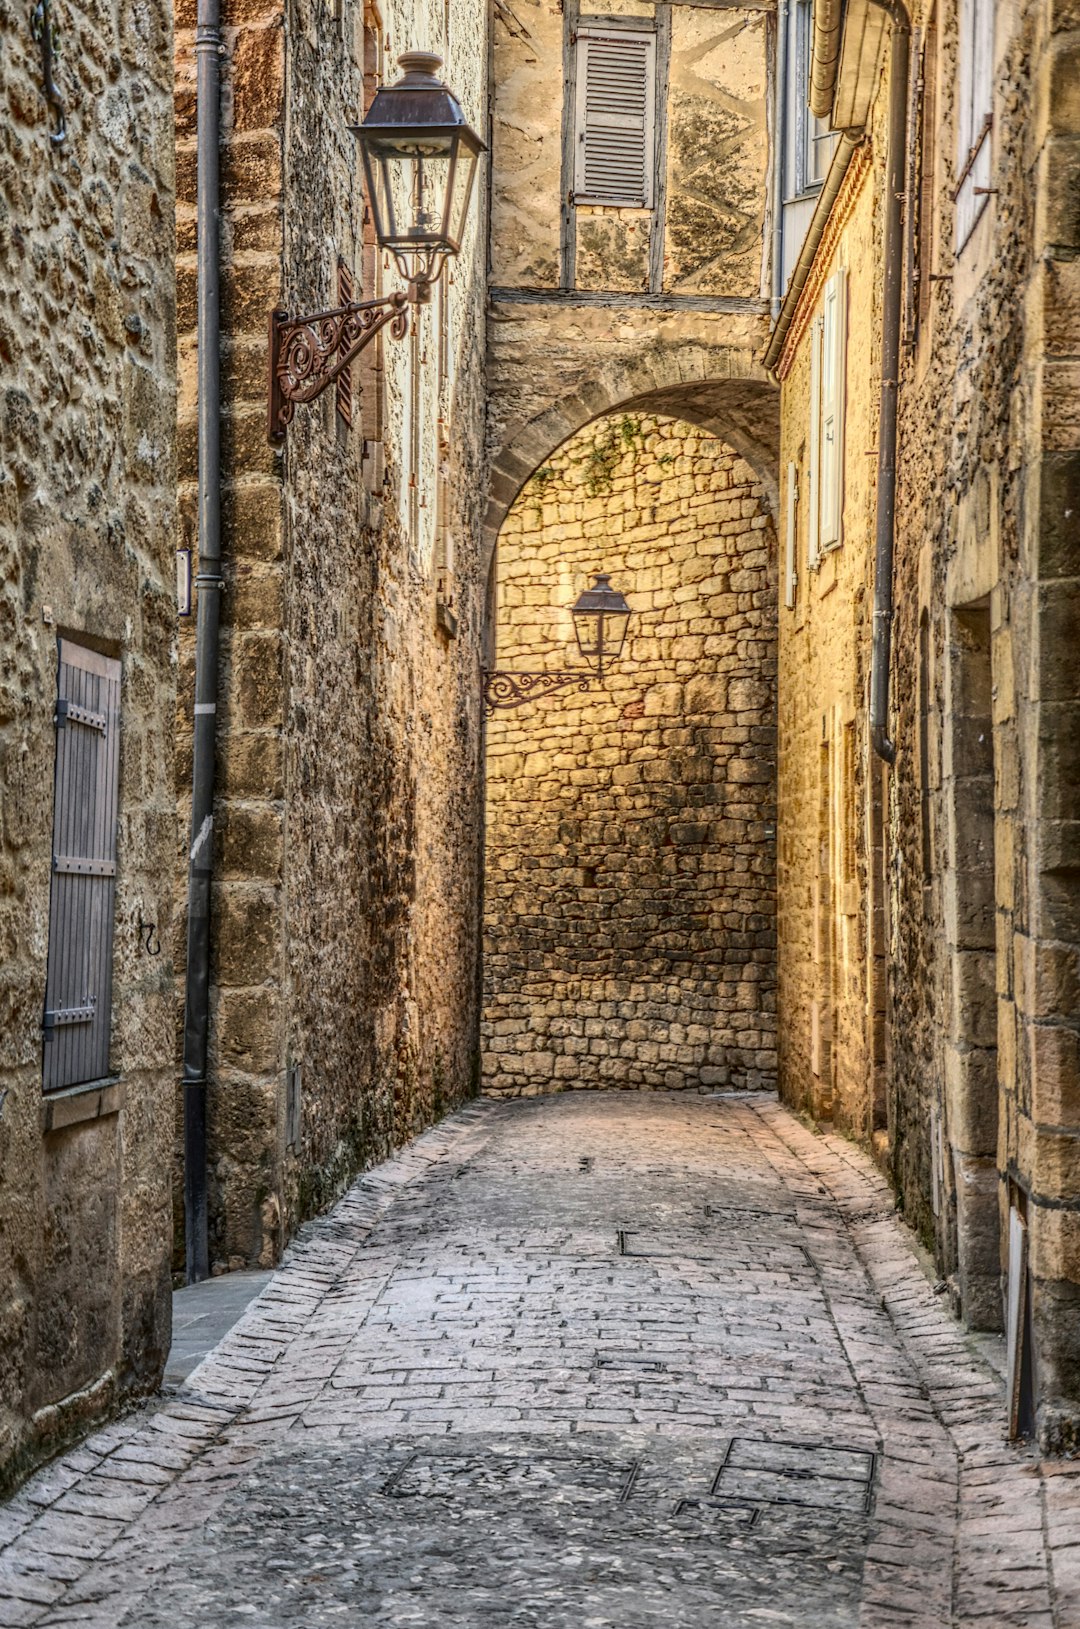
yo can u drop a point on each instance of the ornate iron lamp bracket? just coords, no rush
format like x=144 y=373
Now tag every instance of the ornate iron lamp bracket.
x=503 y=689
x=44 y=32
x=308 y=353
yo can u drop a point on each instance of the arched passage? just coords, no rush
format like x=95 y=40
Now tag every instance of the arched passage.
x=630 y=918
x=720 y=387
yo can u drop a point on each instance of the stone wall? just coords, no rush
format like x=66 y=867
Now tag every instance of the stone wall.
x=827 y=987
x=595 y=307
x=967 y=883
x=87 y=478
x=987 y=552
x=630 y=933
x=345 y=971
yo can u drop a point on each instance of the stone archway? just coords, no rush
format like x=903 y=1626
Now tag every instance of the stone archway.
x=630 y=934
x=721 y=387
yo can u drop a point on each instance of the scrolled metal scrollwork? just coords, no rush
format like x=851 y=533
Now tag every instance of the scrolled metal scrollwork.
x=503 y=689
x=45 y=33
x=308 y=353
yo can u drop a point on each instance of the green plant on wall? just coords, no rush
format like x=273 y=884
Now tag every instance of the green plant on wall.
x=537 y=486
x=618 y=437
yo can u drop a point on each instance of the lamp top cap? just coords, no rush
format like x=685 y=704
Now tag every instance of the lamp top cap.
x=419 y=103
x=421 y=69
x=602 y=598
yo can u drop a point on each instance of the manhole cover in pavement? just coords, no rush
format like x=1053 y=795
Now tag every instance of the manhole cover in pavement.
x=754 y=1251
x=791 y=1473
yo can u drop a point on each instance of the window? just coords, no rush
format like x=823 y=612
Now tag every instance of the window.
x=78 y=981
x=615 y=118
x=810 y=143
x=828 y=359
x=974 y=111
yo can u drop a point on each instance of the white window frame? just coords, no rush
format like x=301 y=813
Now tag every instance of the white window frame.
x=974 y=113
x=615 y=37
x=828 y=392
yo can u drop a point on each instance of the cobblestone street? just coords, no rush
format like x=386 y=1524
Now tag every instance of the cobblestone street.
x=587 y=1360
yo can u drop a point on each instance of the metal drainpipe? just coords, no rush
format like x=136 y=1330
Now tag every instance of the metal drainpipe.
x=778 y=176
x=881 y=652
x=208 y=583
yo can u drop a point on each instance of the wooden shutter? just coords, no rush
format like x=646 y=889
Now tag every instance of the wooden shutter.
x=616 y=100
x=791 y=573
x=78 y=984
x=833 y=368
x=975 y=102
x=813 y=468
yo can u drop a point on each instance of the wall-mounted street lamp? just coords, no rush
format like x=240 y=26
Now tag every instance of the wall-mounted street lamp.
x=601 y=616
x=420 y=159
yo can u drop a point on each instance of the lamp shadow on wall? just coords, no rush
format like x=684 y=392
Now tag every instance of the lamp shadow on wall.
x=630 y=878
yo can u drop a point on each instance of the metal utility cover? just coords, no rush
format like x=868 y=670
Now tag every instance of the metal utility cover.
x=790 y=1473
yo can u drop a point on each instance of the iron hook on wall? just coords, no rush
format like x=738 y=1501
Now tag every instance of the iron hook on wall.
x=149 y=935
x=42 y=28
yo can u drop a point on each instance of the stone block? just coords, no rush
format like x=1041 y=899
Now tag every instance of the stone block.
x=248 y=921
x=257 y=680
x=249 y=1029
x=971 y=1096
x=1054 y=1052
x=258 y=76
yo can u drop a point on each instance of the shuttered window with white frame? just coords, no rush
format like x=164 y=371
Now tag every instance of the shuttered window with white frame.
x=833 y=371
x=813 y=468
x=78 y=983
x=615 y=118
x=825 y=467
x=975 y=102
x=791 y=569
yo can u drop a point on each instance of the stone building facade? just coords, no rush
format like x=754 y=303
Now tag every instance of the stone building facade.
x=610 y=307
x=657 y=304
x=829 y=949
x=348 y=849
x=87 y=815
x=958 y=1008
x=630 y=894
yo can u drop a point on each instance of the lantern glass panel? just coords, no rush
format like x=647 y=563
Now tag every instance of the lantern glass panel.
x=408 y=179
x=462 y=177
x=600 y=634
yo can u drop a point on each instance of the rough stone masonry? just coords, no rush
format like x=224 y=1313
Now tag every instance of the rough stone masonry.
x=630 y=910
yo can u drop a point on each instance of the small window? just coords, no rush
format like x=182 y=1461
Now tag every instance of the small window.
x=77 y=1022
x=810 y=143
x=615 y=118
x=828 y=366
x=974 y=114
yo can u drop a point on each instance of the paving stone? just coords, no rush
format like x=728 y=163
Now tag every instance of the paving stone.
x=586 y=1360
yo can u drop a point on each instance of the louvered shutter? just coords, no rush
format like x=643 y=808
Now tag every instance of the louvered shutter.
x=616 y=100
x=78 y=984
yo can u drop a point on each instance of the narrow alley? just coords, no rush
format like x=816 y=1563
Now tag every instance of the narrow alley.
x=584 y=1360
